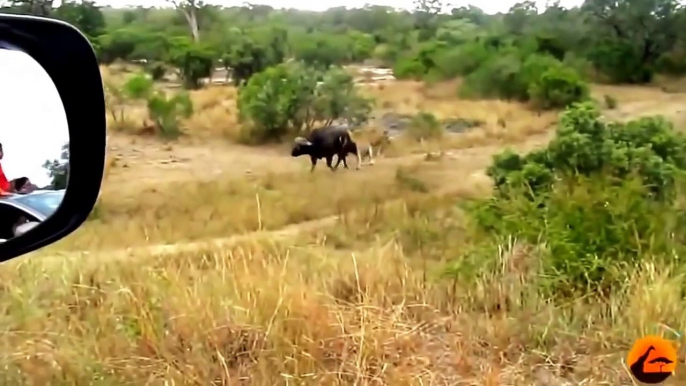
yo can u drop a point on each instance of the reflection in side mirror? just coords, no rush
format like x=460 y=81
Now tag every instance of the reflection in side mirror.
x=34 y=145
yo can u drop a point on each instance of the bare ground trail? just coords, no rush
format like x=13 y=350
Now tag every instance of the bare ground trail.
x=150 y=162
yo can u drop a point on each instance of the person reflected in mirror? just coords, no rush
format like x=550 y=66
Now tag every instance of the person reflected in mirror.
x=19 y=185
x=22 y=185
x=5 y=186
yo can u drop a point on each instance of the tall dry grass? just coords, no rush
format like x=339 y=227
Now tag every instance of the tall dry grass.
x=312 y=311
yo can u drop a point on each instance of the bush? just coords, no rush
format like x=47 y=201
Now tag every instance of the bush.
x=600 y=196
x=138 y=86
x=272 y=99
x=580 y=64
x=337 y=98
x=407 y=68
x=592 y=230
x=558 y=87
x=386 y=53
x=542 y=79
x=322 y=51
x=462 y=60
x=166 y=111
x=498 y=77
x=286 y=99
x=621 y=62
x=586 y=146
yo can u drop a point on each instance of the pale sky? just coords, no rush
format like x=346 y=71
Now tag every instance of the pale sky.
x=493 y=6
x=33 y=124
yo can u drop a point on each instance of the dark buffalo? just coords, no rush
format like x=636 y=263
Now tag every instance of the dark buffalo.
x=326 y=142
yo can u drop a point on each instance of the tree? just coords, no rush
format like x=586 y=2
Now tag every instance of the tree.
x=247 y=57
x=189 y=9
x=426 y=14
x=518 y=19
x=59 y=169
x=194 y=61
x=638 y=30
x=472 y=14
x=84 y=15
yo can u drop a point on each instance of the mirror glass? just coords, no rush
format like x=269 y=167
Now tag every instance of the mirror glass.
x=34 y=145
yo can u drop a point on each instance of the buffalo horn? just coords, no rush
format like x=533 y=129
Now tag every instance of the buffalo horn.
x=302 y=141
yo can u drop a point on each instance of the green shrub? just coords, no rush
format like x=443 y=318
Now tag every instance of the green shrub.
x=286 y=99
x=385 y=53
x=499 y=77
x=166 y=112
x=558 y=87
x=138 y=86
x=585 y=145
x=580 y=64
x=270 y=98
x=448 y=64
x=408 y=69
x=542 y=79
x=336 y=97
x=591 y=228
x=621 y=62
x=534 y=66
x=599 y=198
x=451 y=62
x=467 y=58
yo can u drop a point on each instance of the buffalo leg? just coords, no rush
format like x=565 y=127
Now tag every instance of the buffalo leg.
x=339 y=161
x=329 y=160
x=342 y=158
x=314 y=163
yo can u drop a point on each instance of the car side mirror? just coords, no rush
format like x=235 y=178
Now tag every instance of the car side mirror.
x=52 y=132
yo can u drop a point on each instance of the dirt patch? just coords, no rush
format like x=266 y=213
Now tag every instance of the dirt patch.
x=140 y=161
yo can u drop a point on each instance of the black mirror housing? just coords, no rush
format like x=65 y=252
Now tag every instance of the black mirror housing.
x=70 y=61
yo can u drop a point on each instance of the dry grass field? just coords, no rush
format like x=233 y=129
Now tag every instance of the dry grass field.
x=208 y=262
